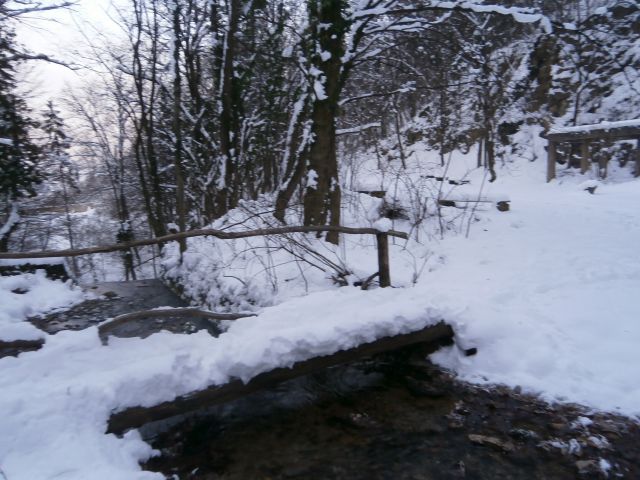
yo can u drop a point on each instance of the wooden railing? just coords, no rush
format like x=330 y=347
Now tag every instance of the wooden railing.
x=382 y=238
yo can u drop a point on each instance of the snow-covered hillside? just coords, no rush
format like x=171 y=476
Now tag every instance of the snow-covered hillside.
x=547 y=292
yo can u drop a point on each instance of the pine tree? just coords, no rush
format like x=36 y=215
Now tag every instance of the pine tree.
x=18 y=154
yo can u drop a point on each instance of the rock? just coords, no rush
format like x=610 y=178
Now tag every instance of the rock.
x=423 y=389
x=456 y=421
x=503 y=445
x=587 y=467
x=523 y=434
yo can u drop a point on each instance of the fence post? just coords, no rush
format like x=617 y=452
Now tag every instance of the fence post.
x=551 y=161
x=383 y=259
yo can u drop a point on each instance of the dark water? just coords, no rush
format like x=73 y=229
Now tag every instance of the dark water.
x=117 y=298
x=391 y=418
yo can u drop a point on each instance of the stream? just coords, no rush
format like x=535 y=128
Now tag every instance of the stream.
x=394 y=416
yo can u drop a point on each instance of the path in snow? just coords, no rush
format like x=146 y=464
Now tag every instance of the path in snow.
x=551 y=293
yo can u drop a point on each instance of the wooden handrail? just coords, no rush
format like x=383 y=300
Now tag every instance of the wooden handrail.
x=381 y=237
x=197 y=233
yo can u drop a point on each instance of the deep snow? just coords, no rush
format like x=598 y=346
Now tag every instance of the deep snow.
x=547 y=292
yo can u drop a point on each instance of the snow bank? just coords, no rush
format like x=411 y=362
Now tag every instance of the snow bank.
x=549 y=293
x=31 y=294
x=56 y=401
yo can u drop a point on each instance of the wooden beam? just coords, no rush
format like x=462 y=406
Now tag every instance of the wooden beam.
x=431 y=337
x=551 y=161
x=585 y=161
x=199 y=233
x=610 y=133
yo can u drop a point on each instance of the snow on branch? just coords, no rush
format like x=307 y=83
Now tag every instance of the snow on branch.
x=361 y=128
x=36 y=8
x=396 y=7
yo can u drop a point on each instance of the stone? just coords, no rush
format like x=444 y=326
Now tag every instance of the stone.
x=587 y=467
x=496 y=443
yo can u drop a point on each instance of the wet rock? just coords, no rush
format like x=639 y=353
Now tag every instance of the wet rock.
x=418 y=388
x=587 y=467
x=493 y=442
x=456 y=421
x=523 y=434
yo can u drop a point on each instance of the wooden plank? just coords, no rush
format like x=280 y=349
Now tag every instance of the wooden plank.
x=430 y=338
x=551 y=161
x=585 y=160
x=384 y=275
x=611 y=133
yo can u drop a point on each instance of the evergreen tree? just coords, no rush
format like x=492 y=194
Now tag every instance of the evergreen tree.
x=18 y=154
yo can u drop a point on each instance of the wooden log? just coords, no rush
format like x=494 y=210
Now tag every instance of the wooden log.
x=384 y=275
x=584 y=157
x=105 y=329
x=222 y=234
x=551 y=161
x=430 y=337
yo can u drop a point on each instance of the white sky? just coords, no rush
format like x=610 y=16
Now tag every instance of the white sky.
x=64 y=35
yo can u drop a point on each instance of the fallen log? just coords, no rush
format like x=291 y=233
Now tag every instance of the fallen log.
x=430 y=338
x=107 y=328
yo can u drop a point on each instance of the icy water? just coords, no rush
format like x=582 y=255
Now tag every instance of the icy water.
x=395 y=416
x=393 y=419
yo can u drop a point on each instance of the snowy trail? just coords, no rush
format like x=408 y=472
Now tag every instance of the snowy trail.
x=552 y=295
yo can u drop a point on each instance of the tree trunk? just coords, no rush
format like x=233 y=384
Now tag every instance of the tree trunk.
x=322 y=195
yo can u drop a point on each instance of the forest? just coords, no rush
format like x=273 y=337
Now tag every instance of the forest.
x=290 y=197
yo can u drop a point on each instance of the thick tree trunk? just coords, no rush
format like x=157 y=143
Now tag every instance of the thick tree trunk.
x=322 y=198
x=227 y=197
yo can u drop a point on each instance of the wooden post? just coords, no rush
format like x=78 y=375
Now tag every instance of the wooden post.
x=637 y=172
x=383 y=259
x=551 y=161
x=585 y=161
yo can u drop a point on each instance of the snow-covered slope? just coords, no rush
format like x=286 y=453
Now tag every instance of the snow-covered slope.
x=547 y=292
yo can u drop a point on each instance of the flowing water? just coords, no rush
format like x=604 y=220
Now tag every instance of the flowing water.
x=391 y=417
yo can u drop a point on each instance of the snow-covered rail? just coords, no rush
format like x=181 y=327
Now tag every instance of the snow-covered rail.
x=381 y=236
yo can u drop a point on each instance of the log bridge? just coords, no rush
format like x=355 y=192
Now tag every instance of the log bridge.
x=584 y=135
x=423 y=341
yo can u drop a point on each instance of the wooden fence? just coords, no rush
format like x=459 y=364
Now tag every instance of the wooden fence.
x=382 y=238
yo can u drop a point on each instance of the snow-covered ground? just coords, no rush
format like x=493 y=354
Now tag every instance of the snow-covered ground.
x=27 y=295
x=547 y=292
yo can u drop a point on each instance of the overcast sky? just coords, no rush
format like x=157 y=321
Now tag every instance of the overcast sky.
x=62 y=34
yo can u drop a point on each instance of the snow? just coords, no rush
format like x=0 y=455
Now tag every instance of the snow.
x=597 y=126
x=383 y=225
x=56 y=401
x=40 y=295
x=549 y=295
x=547 y=292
